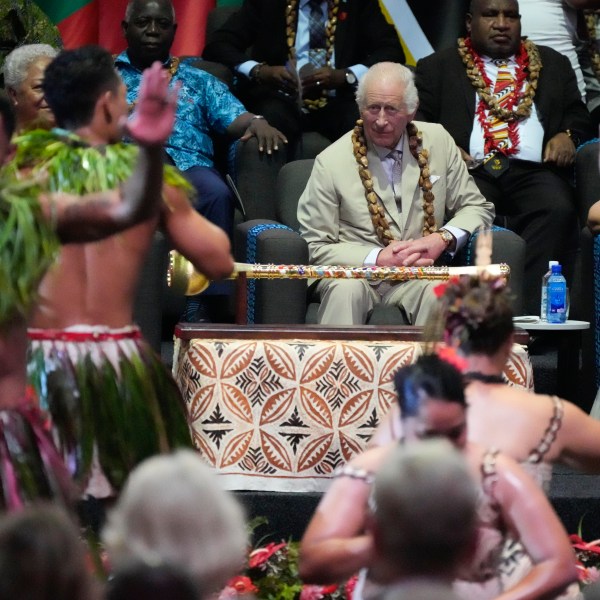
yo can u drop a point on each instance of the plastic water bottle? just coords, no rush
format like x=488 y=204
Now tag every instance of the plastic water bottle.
x=557 y=296
x=544 y=303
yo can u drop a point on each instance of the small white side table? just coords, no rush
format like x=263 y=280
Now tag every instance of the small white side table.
x=567 y=337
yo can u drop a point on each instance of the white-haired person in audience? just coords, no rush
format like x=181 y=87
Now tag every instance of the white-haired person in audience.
x=172 y=511
x=23 y=75
x=427 y=492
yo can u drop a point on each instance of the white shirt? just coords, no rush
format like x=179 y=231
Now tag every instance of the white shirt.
x=553 y=23
x=302 y=43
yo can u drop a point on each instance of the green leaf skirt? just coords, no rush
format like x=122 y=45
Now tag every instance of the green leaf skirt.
x=30 y=467
x=111 y=396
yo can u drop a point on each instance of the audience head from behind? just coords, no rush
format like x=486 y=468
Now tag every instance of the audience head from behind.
x=145 y=582
x=149 y=27
x=172 y=511
x=387 y=100
x=83 y=89
x=432 y=401
x=424 y=513
x=42 y=557
x=23 y=76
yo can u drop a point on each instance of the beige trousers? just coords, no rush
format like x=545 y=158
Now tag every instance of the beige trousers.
x=349 y=301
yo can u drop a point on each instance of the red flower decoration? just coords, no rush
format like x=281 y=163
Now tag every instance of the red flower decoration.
x=350 y=585
x=440 y=290
x=342 y=16
x=242 y=585
x=260 y=556
x=451 y=356
x=579 y=544
x=316 y=592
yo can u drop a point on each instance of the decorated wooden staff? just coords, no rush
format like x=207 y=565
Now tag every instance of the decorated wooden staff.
x=184 y=278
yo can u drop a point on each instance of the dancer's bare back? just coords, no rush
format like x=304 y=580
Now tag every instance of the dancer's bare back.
x=95 y=283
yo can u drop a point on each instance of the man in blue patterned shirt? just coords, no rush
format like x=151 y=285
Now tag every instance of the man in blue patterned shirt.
x=205 y=106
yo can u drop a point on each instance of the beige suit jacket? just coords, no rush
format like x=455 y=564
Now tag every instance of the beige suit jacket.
x=333 y=214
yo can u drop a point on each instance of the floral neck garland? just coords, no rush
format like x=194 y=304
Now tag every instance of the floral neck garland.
x=382 y=227
x=519 y=104
x=591 y=43
x=291 y=19
x=173 y=66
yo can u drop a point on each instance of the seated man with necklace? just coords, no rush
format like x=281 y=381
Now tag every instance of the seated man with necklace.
x=516 y=114
x=393 y=192
x=306 y=60
x=205 y=107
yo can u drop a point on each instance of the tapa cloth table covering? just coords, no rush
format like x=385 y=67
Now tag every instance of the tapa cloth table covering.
x=281 y=415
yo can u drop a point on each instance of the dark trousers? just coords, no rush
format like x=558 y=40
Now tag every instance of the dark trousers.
x=539 y=205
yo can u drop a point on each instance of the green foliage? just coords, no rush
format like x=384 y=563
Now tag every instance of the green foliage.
x=28 y=246
x=67 y=163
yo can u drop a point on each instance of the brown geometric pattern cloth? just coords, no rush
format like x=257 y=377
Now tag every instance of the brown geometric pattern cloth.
x=281 y=415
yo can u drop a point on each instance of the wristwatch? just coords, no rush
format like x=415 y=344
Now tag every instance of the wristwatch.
x=574 y=137
x=255 y=70
x=351 y=78
x=446 y=236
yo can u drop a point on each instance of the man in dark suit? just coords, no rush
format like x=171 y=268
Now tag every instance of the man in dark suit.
x=300 y=77
x=516 y=114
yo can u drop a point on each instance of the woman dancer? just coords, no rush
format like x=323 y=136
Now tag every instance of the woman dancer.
x=432 y=403
x=474 y=316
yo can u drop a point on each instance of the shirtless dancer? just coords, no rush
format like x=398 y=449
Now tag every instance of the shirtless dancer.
x=23 y=439
x=112 y=401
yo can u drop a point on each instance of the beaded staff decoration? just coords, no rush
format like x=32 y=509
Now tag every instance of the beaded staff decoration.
x=382 y=227
x=291 y=24
x=182 y=276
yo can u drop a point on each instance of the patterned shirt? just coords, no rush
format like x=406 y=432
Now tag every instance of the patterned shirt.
x=205 y=105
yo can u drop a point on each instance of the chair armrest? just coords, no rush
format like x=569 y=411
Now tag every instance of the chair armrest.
x=587 y=177
x=269 y=242
x=255 y=176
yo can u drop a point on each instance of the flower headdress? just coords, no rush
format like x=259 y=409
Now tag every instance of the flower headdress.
x=465 y=305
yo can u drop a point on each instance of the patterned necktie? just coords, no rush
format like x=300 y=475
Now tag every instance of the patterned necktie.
x=316 y=27
x=396 y=170
x=396 y=176
x=503 y=89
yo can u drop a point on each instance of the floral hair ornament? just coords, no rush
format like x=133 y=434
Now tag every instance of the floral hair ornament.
x=450 y=355
x=440 y=289
x=463 y=305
